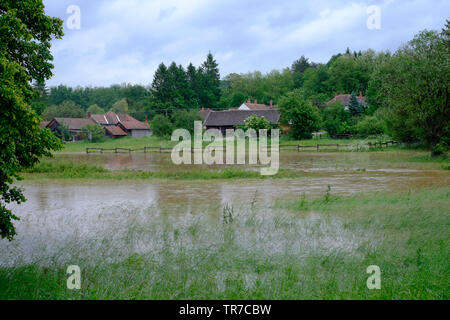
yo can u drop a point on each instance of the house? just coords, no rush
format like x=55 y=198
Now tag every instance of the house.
x=229 y=119
x=255 y=106
x=115 y=125
x=126 y=124
x=345 y=99
x=74 y=125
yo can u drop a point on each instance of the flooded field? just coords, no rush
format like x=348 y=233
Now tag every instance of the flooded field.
x=61 y=210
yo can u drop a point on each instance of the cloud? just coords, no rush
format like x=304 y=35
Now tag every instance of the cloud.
x=125 y=40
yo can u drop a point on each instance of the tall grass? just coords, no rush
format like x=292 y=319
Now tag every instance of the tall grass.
x=298 y=249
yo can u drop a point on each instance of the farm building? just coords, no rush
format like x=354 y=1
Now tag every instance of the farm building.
x=229 y=119
x=115 y=125
x=74 y=125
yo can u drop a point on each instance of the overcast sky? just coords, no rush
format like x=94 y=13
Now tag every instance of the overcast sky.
x=123 y=41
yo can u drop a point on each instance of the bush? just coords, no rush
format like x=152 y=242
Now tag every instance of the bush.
x=92 y=132
x=370 y=125
x=161 y=126
x=256 y=123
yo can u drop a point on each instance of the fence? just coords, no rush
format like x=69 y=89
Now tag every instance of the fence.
x=282 y=147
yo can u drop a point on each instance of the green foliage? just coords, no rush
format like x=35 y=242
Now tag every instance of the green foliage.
x=120 y=106
x=161 y=126
x=25 y=37
x=370 y=125
x=299 y=114
x=355 y=107
x=185 y=119
x=67 y=109
x=413 y=85
x=335 y=118
x=93 y=132
x=63 y=132
x=95 y=109
x=256 y=123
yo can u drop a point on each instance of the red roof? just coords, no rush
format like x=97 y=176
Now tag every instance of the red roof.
x=115 y=131
x=134 y=124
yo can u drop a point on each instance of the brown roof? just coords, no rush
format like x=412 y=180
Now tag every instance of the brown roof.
x=115 y=131
x=111 y=118
x=237 y=117
x=74 y=123
x=257 y=106
x=345 y=99
x=134 y=124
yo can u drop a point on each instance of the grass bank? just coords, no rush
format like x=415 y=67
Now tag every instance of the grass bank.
x=60 y=169
x=298 y=249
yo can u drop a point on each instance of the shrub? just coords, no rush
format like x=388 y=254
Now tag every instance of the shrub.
x=161 y=126
x=370 y=125
x=256 y=123
x=185 y=119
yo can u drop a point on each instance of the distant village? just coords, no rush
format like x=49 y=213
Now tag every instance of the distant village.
x=123 y=125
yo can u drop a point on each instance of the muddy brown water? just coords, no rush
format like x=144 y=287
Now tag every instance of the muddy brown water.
x=62 y=209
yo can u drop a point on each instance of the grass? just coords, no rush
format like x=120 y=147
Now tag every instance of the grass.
x=64 y=169
x=303 y=248
x=154 y=141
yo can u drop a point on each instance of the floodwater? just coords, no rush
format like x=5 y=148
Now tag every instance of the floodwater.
x=59 y=210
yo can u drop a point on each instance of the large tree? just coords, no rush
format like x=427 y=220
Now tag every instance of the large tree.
x=414 y=87
x=25 y=35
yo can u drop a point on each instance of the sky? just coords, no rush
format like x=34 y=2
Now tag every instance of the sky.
x=124 y=41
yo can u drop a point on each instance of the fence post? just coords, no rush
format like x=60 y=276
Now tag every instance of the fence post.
x=298 y=148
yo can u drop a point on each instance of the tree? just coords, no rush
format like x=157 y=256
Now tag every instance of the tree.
x=120 y=106
x=185 y=119
x=299 y=114
x=25 y=36
x=67 y=109
x=210 y=82
x=95 y=109
x=161 y=126
x=334 y=116
x=355 y=106
x=414 y=84
x=93 y=132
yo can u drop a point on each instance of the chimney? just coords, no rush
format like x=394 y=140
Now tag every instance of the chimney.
x=89 y=115
x=271 y=102
x=248 y=101
x=360 y=94
x=203 y=108
x=335 y=95
x=256 y=101
x=146 y=120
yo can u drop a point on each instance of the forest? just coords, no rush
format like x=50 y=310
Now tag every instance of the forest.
x=406 y=92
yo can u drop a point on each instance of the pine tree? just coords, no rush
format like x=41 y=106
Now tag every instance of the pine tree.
x=210 y=91
x=355 y=107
